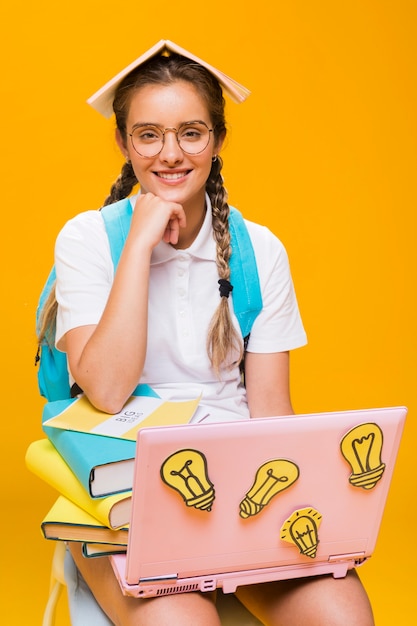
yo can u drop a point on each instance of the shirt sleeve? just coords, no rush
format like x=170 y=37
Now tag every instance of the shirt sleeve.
x=278 y=327
x=84 y=272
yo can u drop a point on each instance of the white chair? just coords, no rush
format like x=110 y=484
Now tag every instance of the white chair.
x=232 y=612
x=57 y=584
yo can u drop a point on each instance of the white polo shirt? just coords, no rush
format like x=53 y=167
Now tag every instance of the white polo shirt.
x=183 y=295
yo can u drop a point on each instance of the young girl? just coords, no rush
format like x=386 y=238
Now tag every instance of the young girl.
x=161 y=318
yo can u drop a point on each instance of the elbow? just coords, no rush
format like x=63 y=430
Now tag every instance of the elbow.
x=108 y=391
x=108 y=402
x=109 y=405
x=108 y=394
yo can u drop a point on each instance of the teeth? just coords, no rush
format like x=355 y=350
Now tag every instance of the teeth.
x=173 y=176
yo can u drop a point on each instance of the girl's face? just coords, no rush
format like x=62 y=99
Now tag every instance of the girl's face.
x=172 y=174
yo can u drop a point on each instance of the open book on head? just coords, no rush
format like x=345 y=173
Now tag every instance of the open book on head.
x=102 y=100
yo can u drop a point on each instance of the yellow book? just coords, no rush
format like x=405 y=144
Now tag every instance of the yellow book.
x=66 y=521
x=43 y=460
x=138 y=412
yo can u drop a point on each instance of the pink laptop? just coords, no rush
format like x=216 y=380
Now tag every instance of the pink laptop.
x=237 y=503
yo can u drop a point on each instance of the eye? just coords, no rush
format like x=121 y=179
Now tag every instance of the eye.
x=192 y=132
x=147 y=134
x=190 y=135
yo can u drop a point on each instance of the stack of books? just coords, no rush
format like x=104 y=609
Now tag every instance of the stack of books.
x=88 y=457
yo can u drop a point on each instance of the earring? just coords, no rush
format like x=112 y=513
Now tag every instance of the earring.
x=214 y=159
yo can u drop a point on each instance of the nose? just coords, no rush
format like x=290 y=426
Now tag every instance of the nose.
x=171 y=151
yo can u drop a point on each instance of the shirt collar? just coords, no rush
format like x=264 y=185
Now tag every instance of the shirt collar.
x=203 y=246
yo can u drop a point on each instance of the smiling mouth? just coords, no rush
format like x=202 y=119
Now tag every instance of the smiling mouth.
x=171 y=175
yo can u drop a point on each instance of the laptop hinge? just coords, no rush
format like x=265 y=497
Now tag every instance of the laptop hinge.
x=169 y=578
x=350 y=556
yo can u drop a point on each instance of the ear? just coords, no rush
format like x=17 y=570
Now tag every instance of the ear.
x=121 y=143
x=219 y=143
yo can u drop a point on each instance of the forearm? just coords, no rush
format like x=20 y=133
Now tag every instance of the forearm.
x=107 y=360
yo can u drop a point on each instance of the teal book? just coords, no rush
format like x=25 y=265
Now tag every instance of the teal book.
x=103 y=465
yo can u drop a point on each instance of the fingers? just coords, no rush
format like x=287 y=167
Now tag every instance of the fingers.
x=172 y=232
x=157 y=219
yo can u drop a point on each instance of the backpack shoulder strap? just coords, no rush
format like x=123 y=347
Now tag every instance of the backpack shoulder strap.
x=247 y=298
x=117 y=218
x=52 y=374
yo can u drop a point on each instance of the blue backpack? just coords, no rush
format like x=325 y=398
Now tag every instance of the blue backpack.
x=53 y=378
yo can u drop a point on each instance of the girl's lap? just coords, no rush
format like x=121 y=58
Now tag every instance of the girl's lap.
x=317 y=600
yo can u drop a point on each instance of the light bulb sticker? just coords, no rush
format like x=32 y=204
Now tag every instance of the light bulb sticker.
x=185 y=471
x=271 y=478
x=301 y=529
x=362 y=448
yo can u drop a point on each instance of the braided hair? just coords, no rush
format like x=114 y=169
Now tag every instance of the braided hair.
x=222 y=337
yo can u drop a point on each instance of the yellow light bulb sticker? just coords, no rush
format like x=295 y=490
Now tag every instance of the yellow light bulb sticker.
x=301 y=529
x=270 y=479
x=185 y=471
x=362 y=447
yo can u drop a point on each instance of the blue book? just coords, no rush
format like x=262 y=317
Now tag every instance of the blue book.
x=102 y=464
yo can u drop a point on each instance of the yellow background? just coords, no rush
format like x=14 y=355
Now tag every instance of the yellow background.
x=324 y=152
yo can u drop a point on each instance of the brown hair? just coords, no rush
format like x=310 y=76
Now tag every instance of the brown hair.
x=222 y=337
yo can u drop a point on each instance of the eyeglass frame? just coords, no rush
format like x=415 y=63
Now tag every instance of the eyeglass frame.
x=173 y=129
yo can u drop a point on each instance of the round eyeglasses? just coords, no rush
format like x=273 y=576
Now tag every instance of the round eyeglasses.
x=148 y=139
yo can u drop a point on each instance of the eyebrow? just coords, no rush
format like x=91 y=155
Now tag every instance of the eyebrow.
x=142 y=124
